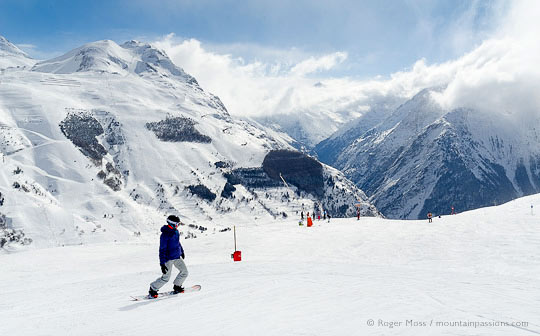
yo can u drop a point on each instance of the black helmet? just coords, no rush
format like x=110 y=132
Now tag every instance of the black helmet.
x=173 y=220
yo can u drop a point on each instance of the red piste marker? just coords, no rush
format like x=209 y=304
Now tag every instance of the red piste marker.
x=237 y=255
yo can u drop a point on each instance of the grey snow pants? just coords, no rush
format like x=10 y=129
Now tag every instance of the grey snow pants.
x=180 y=278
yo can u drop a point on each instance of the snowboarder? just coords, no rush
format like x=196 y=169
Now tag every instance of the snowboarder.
x=171 y=254
x=429 y=216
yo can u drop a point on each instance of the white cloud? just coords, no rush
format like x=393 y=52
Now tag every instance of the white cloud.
x=317 y=64
x=252 y=88
x=26 y=46
x=501 y=73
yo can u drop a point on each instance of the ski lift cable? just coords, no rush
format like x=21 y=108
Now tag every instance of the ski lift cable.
x=284 y=181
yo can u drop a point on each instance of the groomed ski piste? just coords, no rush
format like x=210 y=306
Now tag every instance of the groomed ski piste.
x=465 y=274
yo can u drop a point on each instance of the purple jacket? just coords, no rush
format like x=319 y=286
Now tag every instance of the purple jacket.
x=169 y=244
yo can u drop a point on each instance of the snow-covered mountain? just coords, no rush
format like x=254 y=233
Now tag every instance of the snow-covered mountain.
x=423 y=158
x=101 y=143
x=132 y=57
x=11 y=56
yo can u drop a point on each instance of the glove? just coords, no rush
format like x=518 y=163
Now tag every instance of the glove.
x=164 y=268
x=183 y=255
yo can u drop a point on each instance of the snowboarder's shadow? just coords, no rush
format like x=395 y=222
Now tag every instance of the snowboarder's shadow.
x=135 y=305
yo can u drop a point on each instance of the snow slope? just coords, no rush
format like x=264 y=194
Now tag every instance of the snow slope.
x=482 y=266
x=13 y=57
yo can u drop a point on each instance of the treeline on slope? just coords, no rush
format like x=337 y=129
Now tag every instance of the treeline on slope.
x=82 y=130
x=296 y=168
x=8 y=236
x=202 y=191
x=177 y=129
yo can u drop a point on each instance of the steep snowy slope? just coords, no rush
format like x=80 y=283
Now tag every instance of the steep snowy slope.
x=101 y=143
x=329 y=149
x=423 y=158
x=11 y=56
x=475 y=273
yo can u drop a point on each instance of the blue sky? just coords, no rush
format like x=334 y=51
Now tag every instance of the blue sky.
x=380 y=37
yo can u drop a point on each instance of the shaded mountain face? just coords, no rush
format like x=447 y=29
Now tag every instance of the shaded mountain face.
x=299 y=169
x=104 y=142
x=305 y=177
x=423 y=159
x=329 y=149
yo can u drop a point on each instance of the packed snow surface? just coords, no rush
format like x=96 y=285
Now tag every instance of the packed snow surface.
x=334 y=278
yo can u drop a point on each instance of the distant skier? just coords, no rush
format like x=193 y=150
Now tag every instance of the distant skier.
x=328 y=216
x=430 y=216
x=170 y=253
x=453 y=211
x=302 y=215
x=358 y=214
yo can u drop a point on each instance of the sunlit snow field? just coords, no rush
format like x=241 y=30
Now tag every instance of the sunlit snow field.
x=334 y=278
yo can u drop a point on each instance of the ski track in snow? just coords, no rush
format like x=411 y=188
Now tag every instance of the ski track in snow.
x=479 y=266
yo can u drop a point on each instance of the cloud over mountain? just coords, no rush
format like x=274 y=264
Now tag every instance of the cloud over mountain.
x=494 y=76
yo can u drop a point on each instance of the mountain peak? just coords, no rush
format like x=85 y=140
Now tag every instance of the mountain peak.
x=133 y=44
x=100 y=56
x=12 y=56
x=7 y=47
x=107 y=56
